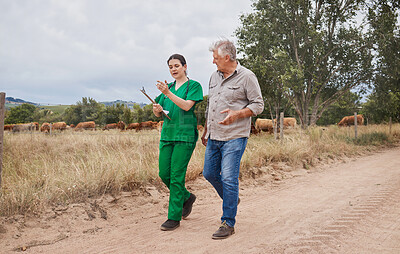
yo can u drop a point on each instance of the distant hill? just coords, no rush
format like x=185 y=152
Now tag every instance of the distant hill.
x=129 y=104
x=12 y=100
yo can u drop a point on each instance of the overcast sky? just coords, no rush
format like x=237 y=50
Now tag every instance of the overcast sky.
x=58 y=51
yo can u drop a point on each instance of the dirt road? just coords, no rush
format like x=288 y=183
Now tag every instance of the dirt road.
x=347 y=207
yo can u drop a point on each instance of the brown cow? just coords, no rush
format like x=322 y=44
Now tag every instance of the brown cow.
x=91 y=125
x=23 y=127
x=289 y=122
x=8 y=127
x=148 y=125
x=349 y=120
x=36 y=125
x=110 y=126
x=45 y=127
x=120 y=125
x=59 y=126
x=253 y=129
x=133 y=126
x=264 y=125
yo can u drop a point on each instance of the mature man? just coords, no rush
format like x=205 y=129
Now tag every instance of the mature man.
x=234 y=96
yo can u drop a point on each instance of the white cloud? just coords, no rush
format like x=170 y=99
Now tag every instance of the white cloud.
x=58 y=51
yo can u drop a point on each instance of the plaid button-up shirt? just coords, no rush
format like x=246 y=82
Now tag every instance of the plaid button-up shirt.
x=236 y=92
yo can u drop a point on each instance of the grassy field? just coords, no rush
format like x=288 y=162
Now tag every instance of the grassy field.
x=41 y=170
x=56 y=109
x=10 y=105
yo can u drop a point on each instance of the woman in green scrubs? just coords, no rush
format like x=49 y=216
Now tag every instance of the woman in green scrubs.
x=178 y=137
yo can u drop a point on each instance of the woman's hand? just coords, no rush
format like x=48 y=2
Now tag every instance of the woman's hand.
x=157 y=109
x=163 y=87
x=181 y=103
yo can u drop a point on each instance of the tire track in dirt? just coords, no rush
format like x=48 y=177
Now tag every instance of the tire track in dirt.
x=331 y=238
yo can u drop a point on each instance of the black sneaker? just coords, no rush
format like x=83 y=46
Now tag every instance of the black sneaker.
x=187 y=206
x=223 y=232
x=169 y=225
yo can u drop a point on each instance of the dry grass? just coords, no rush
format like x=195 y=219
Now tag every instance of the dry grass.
x=39 y=169
x=307 y=147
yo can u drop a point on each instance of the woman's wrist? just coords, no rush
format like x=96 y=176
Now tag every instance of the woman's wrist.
x=168 y=94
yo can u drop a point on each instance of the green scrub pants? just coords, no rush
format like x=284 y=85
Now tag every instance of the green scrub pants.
x=173 y=161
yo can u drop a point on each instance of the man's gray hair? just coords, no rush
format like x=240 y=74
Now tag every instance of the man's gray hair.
x=224 y=47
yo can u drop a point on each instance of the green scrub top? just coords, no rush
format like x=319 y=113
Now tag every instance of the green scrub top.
x=183 y=124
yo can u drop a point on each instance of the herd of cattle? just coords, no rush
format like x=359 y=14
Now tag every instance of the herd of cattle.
x=265 y=125
x=91 y=125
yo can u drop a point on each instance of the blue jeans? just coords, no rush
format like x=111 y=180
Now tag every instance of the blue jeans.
x=221 y=169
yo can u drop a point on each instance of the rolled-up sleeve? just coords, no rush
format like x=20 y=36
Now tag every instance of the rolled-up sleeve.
x=256 y=102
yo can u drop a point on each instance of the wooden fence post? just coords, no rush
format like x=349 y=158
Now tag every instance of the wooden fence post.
x=355 y=125
x=281 y=125
x=2 y=113
x=390 y=125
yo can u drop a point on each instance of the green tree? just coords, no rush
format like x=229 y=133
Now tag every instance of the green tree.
x=46 y=115
x=40 y=114
x=345 y=106
x=87 y=110
x=127 y=115
x=73 y=114
x=21 y=114
x=312 y=52
x=200 y=110
x=113 y=114
x=91 y=109
x=148 y=113
x=385 y=34
x=137 y=114
x=377 y=110
x=271 y=75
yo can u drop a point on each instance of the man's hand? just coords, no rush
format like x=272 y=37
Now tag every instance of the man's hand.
x=203 y=139
x=231 y=117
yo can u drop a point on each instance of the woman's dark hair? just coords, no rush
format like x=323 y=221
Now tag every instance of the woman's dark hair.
x=178 y=57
